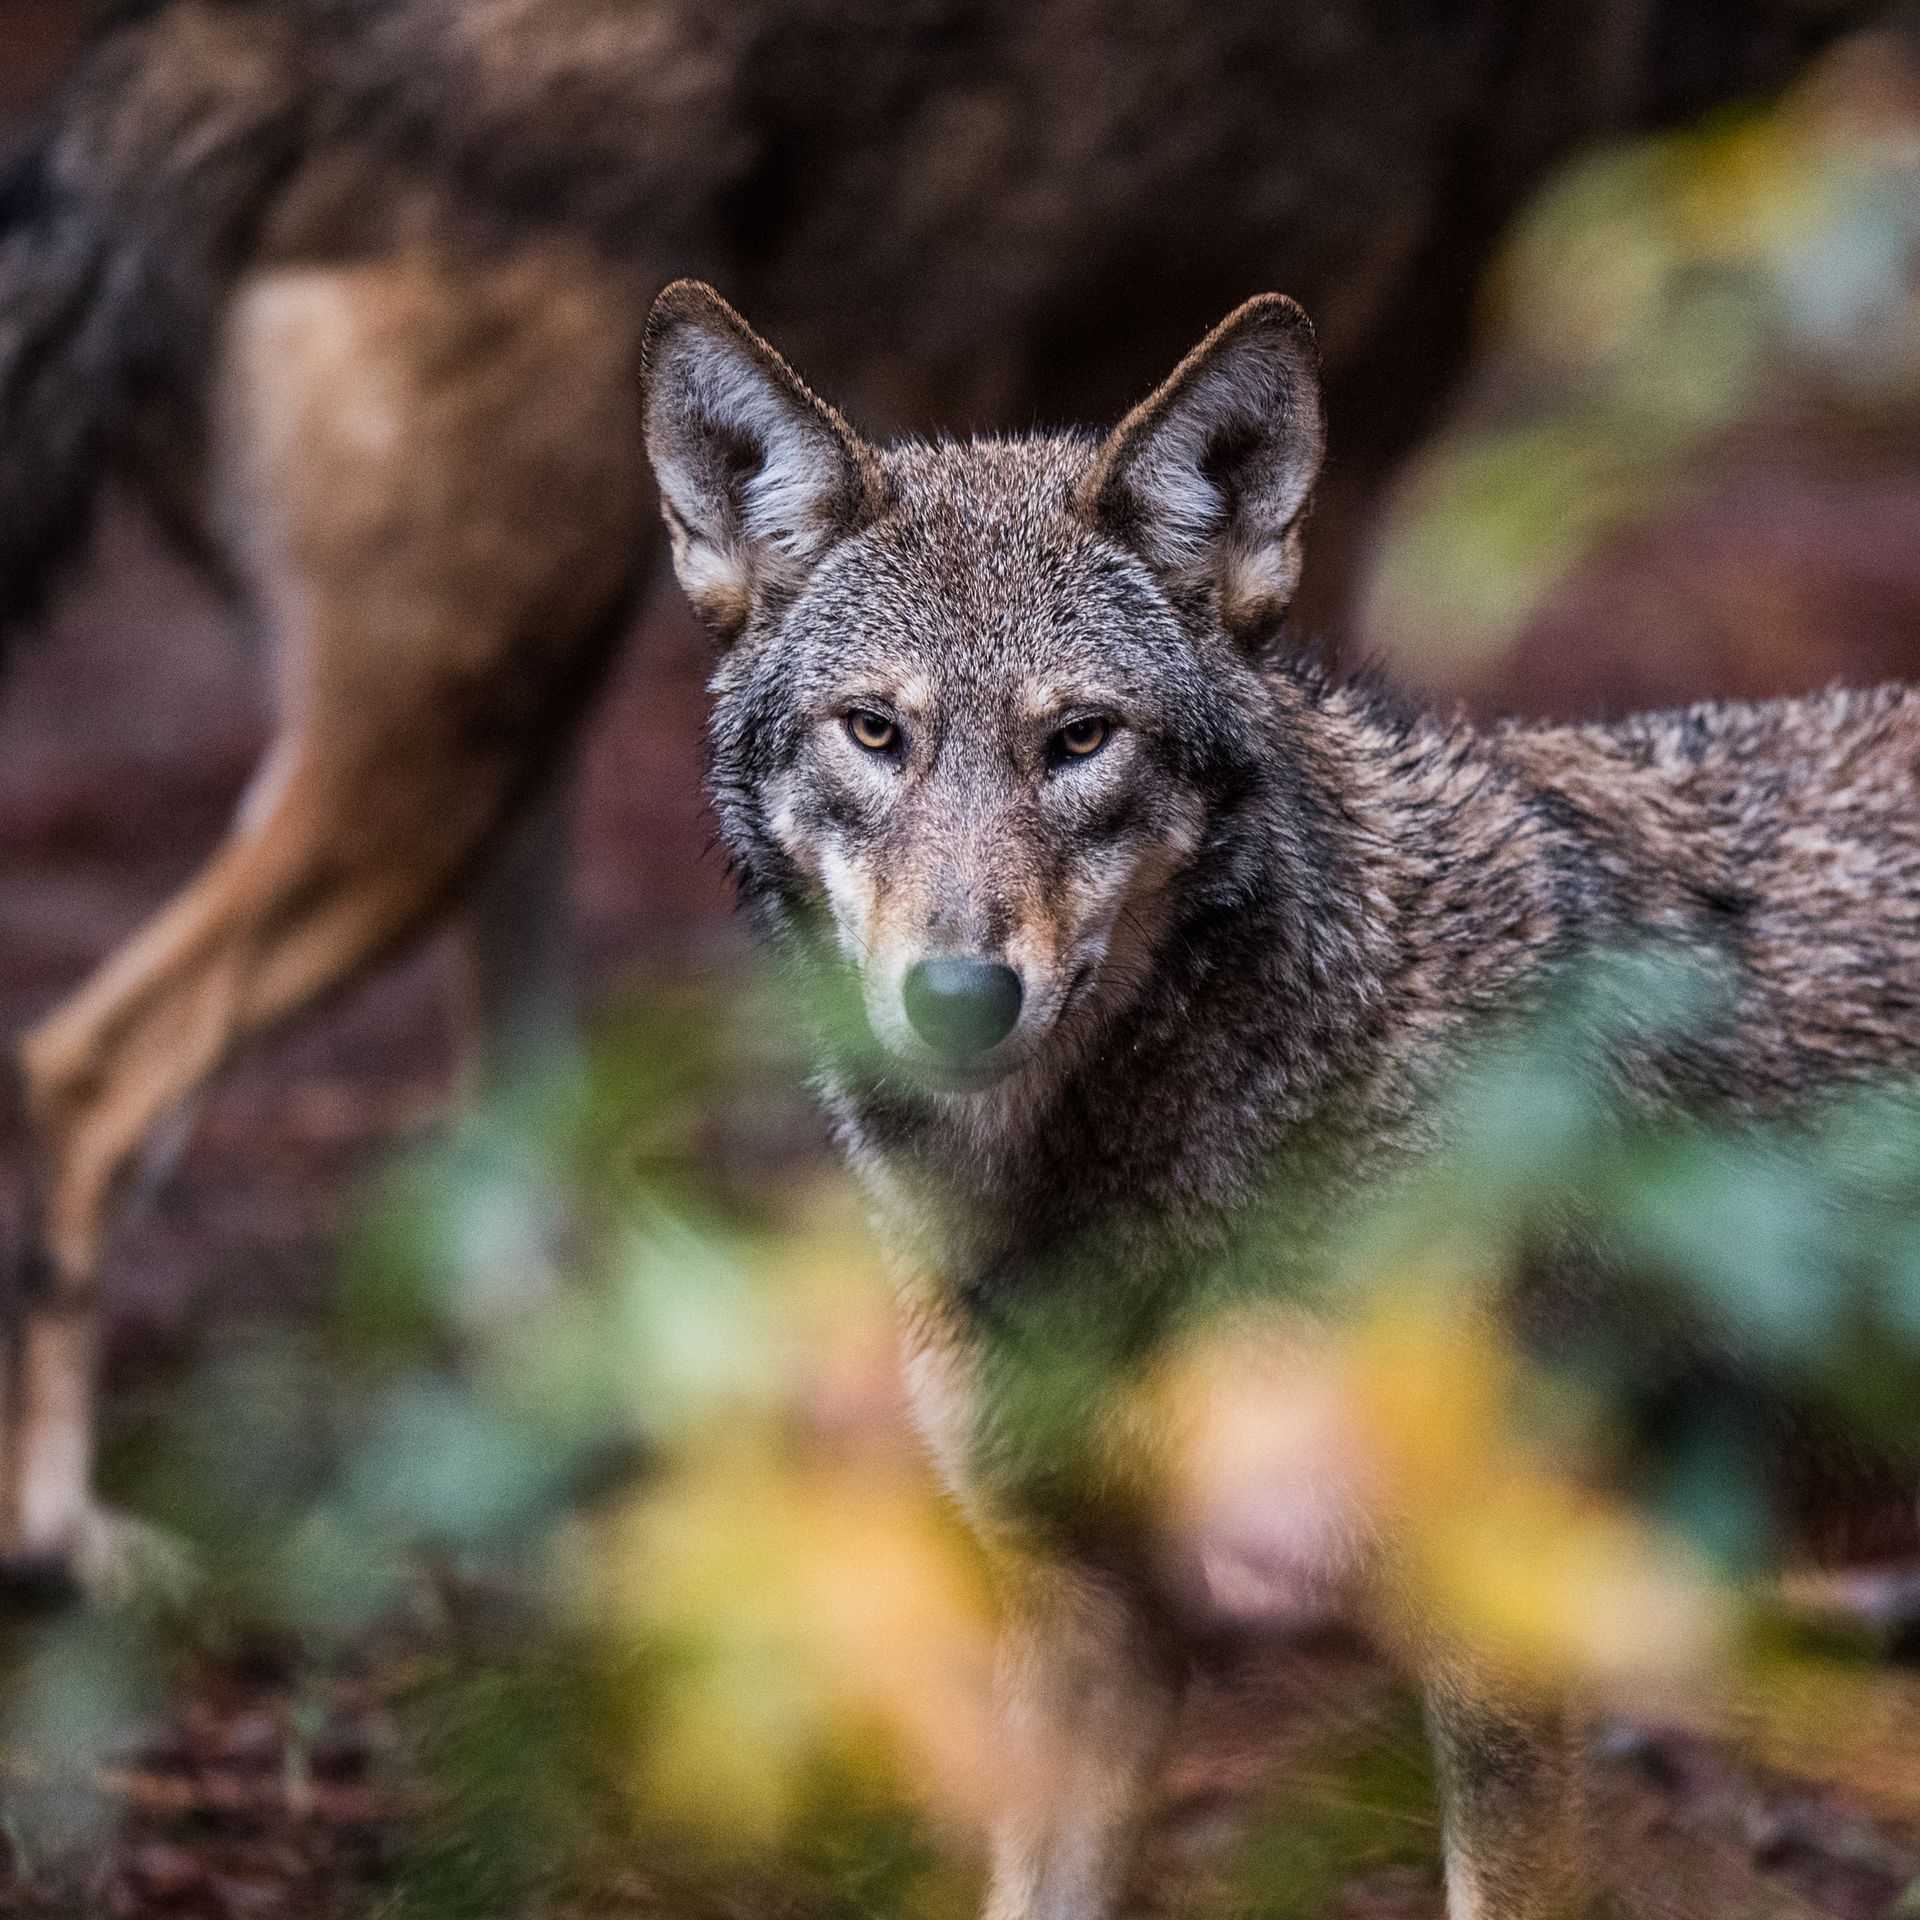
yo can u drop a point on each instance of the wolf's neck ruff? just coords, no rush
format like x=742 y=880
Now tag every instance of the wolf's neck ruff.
x=1377 y=900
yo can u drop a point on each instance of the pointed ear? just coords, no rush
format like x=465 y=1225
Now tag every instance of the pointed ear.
x=1209 y=478
x=757 y=476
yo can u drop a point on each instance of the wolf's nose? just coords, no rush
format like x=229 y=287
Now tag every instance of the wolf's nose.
x=961 y=1008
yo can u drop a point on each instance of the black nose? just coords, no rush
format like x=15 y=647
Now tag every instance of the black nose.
x=961 y=1008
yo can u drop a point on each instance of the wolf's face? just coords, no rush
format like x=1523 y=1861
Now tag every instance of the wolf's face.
x=980 y=702
x=967 y=739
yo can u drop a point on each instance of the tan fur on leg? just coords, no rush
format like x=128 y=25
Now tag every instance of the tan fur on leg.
x=433 y=486
x=1088 y=1699
x=1511 y=1794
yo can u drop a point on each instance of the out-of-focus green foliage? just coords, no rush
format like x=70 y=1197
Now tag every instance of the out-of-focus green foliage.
x=1662 y=294
x=610 y=1422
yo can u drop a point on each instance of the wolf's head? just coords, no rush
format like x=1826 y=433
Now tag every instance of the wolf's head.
x=980 y=704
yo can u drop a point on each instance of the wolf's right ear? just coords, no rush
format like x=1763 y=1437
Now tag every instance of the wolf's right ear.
x=758 y=477
x=1209 y=478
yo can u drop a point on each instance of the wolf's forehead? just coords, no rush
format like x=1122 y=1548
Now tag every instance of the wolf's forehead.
x=988 y=480
x=981 y=559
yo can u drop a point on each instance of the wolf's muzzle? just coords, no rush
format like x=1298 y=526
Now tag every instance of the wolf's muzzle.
x=961 y=1008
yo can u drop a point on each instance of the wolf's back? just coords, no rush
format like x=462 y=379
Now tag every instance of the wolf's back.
x=122 y=209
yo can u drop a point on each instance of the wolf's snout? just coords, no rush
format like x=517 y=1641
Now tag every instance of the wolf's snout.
x=961 y=1008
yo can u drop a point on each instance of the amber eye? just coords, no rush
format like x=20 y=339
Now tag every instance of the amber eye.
x=1079 y=739
x=873 y=731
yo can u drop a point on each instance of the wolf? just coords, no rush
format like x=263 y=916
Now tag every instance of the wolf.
x=1136 y=909
x=351 y=293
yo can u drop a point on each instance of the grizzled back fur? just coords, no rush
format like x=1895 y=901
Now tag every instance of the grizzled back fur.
x=122 y=214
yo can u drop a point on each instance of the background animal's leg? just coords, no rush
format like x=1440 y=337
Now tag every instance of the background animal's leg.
x=1089 y=1694
x=1511 y=1795
x=437 y=479
x=517 y=1000
x=294 y=905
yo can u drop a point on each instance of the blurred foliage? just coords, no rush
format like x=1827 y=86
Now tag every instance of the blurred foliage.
x=609 y=1427
x=1762 y=267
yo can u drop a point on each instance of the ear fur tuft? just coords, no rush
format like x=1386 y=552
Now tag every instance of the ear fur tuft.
x=1209 y=478
x=758 y=476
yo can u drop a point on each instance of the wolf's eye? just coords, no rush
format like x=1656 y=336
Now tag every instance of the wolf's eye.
x=1079 y=739
x=873 y=731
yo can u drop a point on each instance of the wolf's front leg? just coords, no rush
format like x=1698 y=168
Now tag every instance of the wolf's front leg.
x=1511 y=1793
x=1089 y=1690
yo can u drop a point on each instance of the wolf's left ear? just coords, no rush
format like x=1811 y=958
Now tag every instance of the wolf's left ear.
x=1208 y=479
x=758 y=477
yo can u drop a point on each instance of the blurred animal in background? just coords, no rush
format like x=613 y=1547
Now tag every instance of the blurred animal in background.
x=1137 y=948
x=350 y=291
